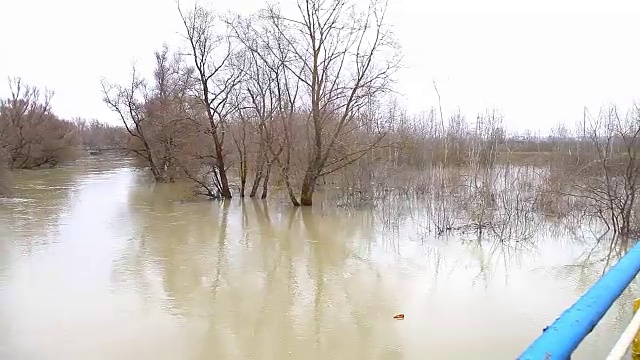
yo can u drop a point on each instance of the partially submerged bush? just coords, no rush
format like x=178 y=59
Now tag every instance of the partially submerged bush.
x=31 y=136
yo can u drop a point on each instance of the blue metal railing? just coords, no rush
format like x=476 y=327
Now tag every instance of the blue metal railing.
x=560 y=339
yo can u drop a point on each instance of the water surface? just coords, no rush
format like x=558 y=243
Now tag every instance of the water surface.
x=98 y=263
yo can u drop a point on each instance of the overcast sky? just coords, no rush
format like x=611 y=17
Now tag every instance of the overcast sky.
x=538 y=63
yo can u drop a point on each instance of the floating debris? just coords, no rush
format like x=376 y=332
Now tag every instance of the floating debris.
x=399 y=317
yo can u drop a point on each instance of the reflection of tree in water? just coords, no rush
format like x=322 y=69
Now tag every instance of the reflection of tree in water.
x=503 y=244
x=492 y=255
x=252 y=283
x=597 y=257
x=251 y=280
x=588 y=268
x=169 y=243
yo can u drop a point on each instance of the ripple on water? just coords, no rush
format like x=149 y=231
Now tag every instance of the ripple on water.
x=14 y=200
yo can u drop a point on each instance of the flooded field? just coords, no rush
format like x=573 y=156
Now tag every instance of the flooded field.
x=97 y=262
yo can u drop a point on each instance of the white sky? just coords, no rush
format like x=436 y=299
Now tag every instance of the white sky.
x=538 y=64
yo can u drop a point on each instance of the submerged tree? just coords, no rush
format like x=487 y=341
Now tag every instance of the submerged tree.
x=169 y=109
x=154 y=116
x=344 y=59
x=272 y=96
x=218 y=69
x=606 y=180
x=31 y=136
x=129 y=102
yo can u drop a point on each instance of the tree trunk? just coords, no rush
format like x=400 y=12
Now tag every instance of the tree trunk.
x=265 y=184
x=155 y=170
x=292 y=196
x=255 y=186
x=256 y=181
x=225 y=192
x=243 y=175
x=243 y=172
x=308 y=187
x=158 y=175
x=259 y=170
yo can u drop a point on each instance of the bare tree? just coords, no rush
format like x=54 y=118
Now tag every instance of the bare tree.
x=31 y=136
x=261 y=95
x=273 y=94
x=344 y=59
x=169 y=111
x=606 y=186
x=129 y=102
x=155 y=116
x=219 y=71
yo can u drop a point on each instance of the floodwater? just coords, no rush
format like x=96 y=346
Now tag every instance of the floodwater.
x=96 y=262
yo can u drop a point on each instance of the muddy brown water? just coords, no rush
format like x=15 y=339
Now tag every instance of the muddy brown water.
x=96 y=262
